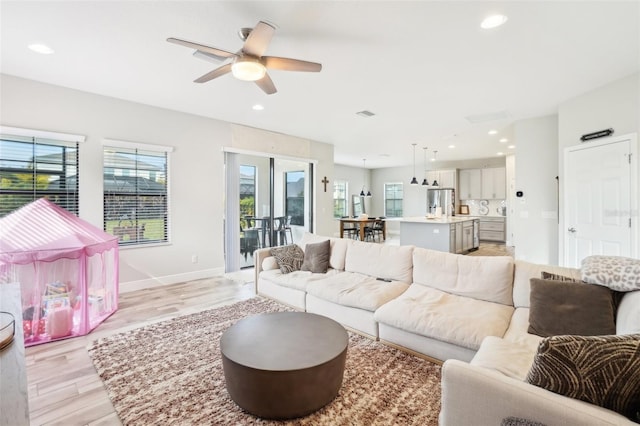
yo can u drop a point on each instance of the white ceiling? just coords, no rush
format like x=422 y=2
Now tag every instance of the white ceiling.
x=420 y=66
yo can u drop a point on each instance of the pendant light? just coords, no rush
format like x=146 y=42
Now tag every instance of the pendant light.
x=414 y=181
x=424 y=181
x=364 y=174
x=435 y=182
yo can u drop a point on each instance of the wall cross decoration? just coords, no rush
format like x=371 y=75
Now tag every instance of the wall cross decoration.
x=325 y=181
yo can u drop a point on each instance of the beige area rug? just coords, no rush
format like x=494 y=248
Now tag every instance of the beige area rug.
x=171 y=373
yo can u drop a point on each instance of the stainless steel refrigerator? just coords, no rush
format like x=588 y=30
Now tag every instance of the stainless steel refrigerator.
x=444 y=198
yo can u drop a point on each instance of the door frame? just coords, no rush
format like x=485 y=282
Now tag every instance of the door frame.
x=231 y=229
x=633 y=189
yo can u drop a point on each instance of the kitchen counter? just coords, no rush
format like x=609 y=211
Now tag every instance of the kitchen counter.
x=452 y=234
x=442 y=220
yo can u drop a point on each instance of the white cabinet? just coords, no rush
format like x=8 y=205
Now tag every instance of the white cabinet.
x=445 y=178
x=470 y=184
x=494 y=183
x=467 y=236
x=492 y=229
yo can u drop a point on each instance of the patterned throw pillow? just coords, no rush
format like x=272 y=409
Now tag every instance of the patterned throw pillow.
x=602 y=370
x=289 y=257
x=557 y=277
x=517 y=421
x=617 y=273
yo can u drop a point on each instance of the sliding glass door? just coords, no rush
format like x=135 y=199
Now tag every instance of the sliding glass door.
x=256 y=187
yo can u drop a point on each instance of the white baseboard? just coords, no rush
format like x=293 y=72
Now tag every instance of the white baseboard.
x=128 y=286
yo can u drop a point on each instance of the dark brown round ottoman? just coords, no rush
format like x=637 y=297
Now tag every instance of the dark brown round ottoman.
x=284 y=365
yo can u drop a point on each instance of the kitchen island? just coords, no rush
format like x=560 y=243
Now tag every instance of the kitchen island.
x=451 y=234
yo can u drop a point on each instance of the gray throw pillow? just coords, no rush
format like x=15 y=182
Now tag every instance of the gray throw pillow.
x=316 y=257
x=561 y=307
x=517 y=421
x=289 y=257
x=601 y=370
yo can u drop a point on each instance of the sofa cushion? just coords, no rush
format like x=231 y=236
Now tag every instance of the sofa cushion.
x=616 y=272
x=289 y=257
x=602 y=370
x=380 y=261
x=356 y=290
x=487 y=278
x=523 y=273
x=316 y=257
x=628 y=315
x=269 y=263
x=562 y=307
x=297 y=279
x=338 y=248
x=509 y=358
x=455 y=319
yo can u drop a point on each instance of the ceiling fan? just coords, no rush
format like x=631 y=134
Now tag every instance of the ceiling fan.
x=248 y=63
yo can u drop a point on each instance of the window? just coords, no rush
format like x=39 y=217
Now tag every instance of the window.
x=294 y=197
x=33 y=167
x=393 y=199
x=340 y=199
x=135 y=195
x=247 y=193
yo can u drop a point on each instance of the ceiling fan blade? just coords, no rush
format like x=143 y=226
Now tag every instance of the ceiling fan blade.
x=288 y=64
x=266 y=84
x=202 y=47
x=214 y=74
x=259 y=39
x=208 y=56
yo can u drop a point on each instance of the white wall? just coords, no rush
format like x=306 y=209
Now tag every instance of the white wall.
x=196 y=172
x=534 y=219
x=615 y=105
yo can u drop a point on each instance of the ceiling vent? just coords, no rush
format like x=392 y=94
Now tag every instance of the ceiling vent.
x=365 y=114
x=485 y=118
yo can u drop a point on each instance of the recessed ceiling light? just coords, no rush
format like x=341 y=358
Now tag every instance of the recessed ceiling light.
x=493 y=132
x=493 y=21
x=452 y=146
x=500 y=153
x=504 y=140
x=511 y=146
x=258 y=107
x=41 y=48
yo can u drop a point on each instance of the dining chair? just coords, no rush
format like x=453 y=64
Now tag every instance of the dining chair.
x=351 y=230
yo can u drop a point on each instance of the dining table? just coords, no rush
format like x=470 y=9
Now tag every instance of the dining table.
x=362 y=224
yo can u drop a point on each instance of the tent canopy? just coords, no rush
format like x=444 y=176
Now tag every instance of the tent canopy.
x=43 y=231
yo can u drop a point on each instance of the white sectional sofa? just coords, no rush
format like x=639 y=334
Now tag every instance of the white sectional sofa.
x=470 y=311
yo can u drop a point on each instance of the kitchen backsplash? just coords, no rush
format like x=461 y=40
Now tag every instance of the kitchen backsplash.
x=485 y=207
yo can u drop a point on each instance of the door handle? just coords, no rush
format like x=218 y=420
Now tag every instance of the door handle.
x=572 y=230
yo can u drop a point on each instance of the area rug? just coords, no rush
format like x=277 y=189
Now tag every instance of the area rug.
x=171 y=373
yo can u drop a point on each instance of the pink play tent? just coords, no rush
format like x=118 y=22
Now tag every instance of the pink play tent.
x=66 y=267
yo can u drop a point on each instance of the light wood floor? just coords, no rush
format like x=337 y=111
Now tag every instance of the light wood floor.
x=64 y=387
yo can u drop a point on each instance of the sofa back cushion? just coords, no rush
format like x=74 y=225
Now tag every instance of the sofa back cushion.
x=380 y=260
x=628 y=316
x=488 y=278
x=338 y=248
x=524 y=271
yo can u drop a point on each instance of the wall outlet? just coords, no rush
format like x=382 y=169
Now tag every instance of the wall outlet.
x=194 y=258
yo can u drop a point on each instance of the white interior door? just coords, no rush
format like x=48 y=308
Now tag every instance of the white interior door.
x=598 y=200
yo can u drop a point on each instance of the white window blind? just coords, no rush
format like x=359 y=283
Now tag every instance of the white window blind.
x=393 y=197
x=135 y=194
x=339 y=198
x=34 y=167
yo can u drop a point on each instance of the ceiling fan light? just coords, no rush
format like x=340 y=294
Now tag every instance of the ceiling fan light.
x=248 y=70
